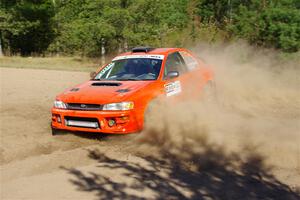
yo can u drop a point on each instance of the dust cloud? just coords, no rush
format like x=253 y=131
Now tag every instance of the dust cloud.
x=256 y=115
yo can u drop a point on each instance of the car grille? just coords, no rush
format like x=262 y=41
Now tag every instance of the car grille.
x=82 y=122
x=83 y=106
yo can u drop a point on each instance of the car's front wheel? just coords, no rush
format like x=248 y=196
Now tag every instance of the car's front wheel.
x=55 y=131
x=152 y=111
x=210 y=92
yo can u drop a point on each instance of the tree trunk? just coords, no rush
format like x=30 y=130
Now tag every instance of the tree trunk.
x=102 y=52
x=1 y=53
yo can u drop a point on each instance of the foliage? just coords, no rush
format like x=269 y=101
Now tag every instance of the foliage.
x=276 y=25
x=114 y=24
x=26 y=25
x=82 y=27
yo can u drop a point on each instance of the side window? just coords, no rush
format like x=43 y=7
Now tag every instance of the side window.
x=189 y=60
x=175 y=62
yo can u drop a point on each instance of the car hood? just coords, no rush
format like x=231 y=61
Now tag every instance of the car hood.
x=101 y=92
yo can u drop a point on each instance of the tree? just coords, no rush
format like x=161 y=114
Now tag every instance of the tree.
x=272 y=24
x=83 y=25
x=26 y=25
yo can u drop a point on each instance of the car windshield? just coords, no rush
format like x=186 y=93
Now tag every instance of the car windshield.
x=131 y=69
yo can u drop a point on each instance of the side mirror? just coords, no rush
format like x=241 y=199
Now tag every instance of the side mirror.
x=172 y=74
x=93 y=74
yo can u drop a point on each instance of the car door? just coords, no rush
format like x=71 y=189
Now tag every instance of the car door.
x=175 y=85
x=198 y=73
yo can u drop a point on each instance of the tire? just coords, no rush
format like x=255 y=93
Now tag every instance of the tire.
x=55 y=131
x=151 y=109
x=147 y=115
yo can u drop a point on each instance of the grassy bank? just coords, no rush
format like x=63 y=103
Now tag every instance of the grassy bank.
x=51 y=63
x=287 y=60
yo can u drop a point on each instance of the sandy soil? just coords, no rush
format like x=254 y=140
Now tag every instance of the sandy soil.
x=243 y=150
x=27 y=147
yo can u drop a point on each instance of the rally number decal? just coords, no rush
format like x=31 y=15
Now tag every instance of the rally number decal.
x=159 y=57
x=173 y=88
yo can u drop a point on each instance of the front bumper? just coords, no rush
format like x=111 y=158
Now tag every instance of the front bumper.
x=125 y=121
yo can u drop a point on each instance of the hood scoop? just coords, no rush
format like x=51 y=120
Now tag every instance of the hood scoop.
x=107 y=84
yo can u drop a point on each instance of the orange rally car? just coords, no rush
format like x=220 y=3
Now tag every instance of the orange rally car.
x=116 y=98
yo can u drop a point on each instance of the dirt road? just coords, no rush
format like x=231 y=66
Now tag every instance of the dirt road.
x=27 y=147
x=35 y=165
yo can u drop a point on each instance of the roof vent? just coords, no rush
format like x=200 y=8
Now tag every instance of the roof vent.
x=106 y=84
x=74 y=89
x=142 y=49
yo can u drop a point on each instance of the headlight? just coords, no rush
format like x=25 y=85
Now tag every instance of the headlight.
x=59 y=104
x=119 y=106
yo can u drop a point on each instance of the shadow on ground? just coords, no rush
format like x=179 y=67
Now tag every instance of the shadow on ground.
x=98 y=136
x=184 y=172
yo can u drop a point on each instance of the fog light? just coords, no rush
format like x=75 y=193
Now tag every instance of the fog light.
x=125 y=118
x=58 y=119
x=111 y=122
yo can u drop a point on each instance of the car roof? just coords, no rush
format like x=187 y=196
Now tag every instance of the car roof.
x=157 y=51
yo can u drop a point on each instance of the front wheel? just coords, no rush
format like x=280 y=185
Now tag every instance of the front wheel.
x=210 y=92
x=153 y=111
x=55 y=131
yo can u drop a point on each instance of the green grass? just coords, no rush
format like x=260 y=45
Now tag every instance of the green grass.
x=51 y=63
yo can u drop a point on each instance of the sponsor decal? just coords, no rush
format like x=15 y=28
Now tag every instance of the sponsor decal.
x=173 y=88
x=105 y=69
x=159 y=57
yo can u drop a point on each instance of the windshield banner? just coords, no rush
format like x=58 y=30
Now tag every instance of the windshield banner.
x=159 y=57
